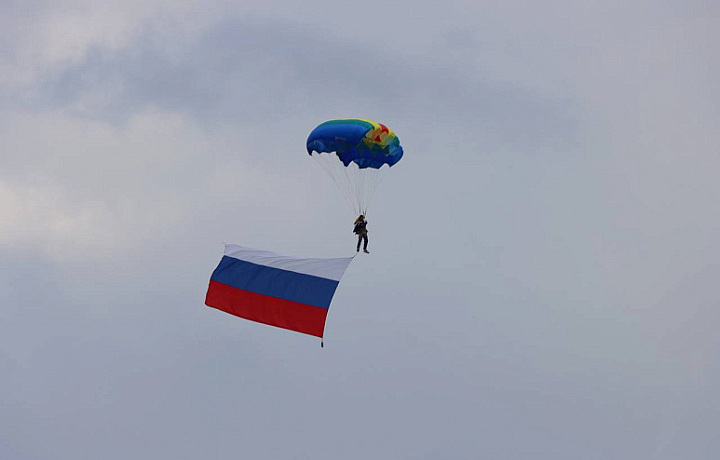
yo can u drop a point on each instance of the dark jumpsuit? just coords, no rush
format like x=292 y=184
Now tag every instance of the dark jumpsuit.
x=361 y=230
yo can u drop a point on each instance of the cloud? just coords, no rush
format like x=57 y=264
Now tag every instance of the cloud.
x=245 y=69
x=76 y=185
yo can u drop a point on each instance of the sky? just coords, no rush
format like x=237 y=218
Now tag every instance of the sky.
x=542 y=282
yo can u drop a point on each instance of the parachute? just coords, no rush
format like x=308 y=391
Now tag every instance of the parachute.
x=354 y=152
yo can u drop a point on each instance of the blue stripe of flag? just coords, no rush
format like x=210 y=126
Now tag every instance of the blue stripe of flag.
x=275 y=282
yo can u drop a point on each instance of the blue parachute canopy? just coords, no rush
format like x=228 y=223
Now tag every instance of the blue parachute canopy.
x=366 y=143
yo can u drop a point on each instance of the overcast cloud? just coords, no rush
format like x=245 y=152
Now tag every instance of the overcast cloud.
x=543 y=276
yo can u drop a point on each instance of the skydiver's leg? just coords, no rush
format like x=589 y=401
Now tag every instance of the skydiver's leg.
x=358 y=245
x=365 y=241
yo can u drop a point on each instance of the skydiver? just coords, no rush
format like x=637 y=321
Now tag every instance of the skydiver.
x=361 y=231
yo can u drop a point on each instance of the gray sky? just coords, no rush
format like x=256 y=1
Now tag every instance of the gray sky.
x=543 y=276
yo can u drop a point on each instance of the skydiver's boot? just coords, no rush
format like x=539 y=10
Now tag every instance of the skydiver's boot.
x=366 y=251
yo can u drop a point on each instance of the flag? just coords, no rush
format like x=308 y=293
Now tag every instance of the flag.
x=269 y=288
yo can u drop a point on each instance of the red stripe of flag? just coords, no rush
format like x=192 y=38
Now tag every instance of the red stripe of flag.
x=264 y=309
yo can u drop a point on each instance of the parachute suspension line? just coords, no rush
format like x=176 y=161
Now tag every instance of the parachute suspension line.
x=341 y=179
x=378 y=176
x=364 y=183
x=356 y=180
x=362 y=189
x=353 y=178
x=349 y=186
x=328 y=164
x=357 y=186
x=372 y=179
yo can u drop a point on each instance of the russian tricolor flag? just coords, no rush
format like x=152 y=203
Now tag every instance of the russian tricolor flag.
x=273 y=289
